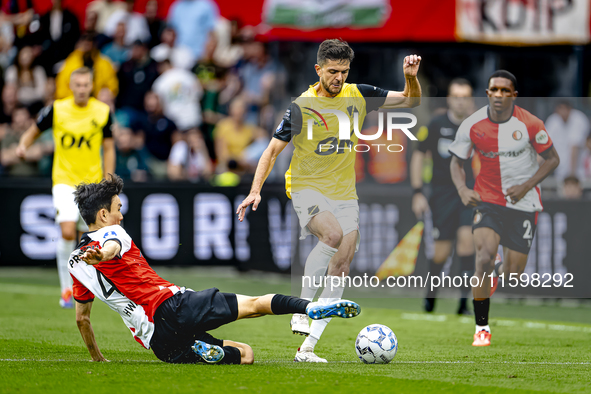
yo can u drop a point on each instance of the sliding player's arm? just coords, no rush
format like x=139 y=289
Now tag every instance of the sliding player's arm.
x=83 y=322
x=108 y=148
x=109 y=251
x=264 y=167
x=291 y=123
x=551 y=161
x=410 y=97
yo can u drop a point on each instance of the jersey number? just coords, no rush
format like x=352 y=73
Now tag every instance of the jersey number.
x=527 y=226
x=105 y=284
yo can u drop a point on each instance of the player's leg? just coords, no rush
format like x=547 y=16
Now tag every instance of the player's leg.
x=441 y=251
x=67 y=215
x=315 y=218
x=465 y=252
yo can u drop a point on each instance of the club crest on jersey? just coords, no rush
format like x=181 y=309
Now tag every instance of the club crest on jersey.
x=517 y=135
x=477 y=217
x=542 y=137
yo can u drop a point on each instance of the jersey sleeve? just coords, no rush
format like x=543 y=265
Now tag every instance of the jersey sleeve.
x=116 y=234
x=377 y=95
x=290 y=125
x=80 y=293
x=45 y=118
x=538 y=136
x=108 y=128
x=462 y=145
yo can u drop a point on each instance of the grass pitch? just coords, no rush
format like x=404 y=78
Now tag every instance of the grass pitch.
x=535 y=348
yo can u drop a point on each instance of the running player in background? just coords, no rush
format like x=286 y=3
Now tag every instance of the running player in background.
x=81 y=128
x=171 y=320
x=321 y=177
x=451 y=218
x=507 y=140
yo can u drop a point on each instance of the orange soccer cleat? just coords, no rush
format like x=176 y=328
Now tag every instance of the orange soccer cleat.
x=482 y=338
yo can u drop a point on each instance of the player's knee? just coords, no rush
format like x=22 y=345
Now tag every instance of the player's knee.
x=484 y=260
x=333 y=238
x=246 y=354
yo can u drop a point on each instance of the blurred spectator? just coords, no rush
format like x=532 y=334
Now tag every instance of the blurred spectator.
x=572 y=189
x=180 y=56
x=9 y=103
x=587 y=159
x=136 y=77
x=155 y=24
x=131 y=162
x=179 y=92
x=568 y=128
x=228 y=49
x=232 y=135
x=7 y=50
x=21 y=120
x=116 y=50
x=25 y=21
x=193 y=20
x=30 y=80
x=156 y=131
x=86 y=54
x=136 y=27
x=257 y=76
x=189 y=159
x=228 y=178
x=60 y=30
x=103 y=9
x=254 y=151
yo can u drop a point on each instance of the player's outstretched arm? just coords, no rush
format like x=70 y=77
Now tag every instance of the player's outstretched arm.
x=27 y=140
x=263 y=170
x=458 y=176
x=108 y=252
x=551 y=161
x=410 y=97
x=83 y=322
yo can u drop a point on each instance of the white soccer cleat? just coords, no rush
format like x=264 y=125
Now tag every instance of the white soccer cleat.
x=308 y=357
x=299 y=324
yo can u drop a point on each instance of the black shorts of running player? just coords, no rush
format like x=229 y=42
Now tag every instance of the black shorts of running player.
x=516 y=228
x=449 y=213
x=186 y=317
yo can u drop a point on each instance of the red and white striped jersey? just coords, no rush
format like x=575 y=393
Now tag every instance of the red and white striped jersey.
x=507 y=152
x=127 y=284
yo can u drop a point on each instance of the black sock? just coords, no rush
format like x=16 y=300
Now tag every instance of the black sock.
x=231 y=355
x=283 y=305
x=435 y=270
x=481 y=311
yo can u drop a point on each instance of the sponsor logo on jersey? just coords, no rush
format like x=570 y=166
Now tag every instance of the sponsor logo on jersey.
x=542 y=137
x=480 y=134
x=517 y=135
x=493 y=155
x=477 y=217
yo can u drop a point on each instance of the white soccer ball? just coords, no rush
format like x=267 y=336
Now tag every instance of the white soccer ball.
x=376 y=344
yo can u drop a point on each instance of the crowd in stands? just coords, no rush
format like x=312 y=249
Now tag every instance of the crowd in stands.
x=191 y=93
x=194 y=95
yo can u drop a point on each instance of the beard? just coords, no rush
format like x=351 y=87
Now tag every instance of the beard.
x=329 y=88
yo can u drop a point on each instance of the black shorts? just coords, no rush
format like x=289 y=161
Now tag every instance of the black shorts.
x=449 y=213
x=185 y=317
x=516 y=228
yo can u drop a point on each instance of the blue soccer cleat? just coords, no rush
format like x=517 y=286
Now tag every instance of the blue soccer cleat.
x=340 y=308
x=211 y=354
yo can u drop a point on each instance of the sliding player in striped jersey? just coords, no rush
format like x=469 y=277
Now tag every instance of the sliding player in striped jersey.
x=506 y=196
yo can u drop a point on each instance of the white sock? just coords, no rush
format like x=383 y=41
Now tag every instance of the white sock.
x=317 y=327
x=480 y=328
x=315 y=268
x=64 y=248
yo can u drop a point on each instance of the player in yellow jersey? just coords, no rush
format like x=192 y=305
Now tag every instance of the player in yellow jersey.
x=81 y=129
x=321 y=178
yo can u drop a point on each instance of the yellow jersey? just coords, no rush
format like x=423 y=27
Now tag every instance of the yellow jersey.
x=321 y=161
x=78 y=134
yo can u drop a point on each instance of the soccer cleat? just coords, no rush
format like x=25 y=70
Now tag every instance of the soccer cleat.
x=482 y=338
x=211 y=354
x=308 y=357
x=429 y=304
x=340 y=308
x=299 y=324
x=66 y=299
x=495 y=279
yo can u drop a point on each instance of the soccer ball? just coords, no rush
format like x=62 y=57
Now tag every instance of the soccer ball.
x=376 y=344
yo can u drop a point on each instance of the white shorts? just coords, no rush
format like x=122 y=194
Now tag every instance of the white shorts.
x=65 y=207
x=309 y=203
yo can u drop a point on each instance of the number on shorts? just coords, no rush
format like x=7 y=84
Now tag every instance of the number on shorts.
x=527 y=226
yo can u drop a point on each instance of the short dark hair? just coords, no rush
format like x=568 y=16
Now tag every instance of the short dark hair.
x=572 y=179
x=459 y=81
x=504 y=74
x=92 y=197
x=334 y=49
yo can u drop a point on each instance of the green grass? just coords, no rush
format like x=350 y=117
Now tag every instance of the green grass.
x=532 y=347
